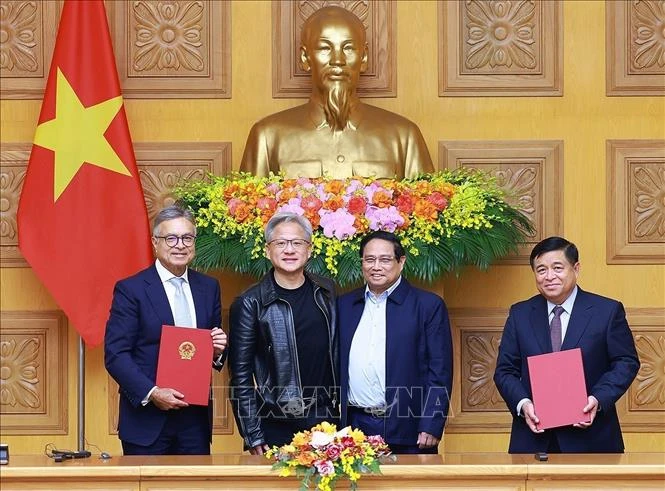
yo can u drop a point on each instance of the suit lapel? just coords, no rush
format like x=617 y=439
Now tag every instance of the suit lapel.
x=157 y=296
x=198 y=294
x=357 y=313
x=579 y=320
x=540 y=324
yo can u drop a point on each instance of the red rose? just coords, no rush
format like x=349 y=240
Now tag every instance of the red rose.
x=438 y=200
x=357 y=205
x=405 y=203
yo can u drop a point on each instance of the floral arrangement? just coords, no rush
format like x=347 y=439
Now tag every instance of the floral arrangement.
x=445 y=220
x=326 y=455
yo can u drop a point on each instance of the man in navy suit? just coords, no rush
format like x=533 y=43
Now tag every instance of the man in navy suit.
x=155 y=420
x=396 y=356
x=564 y=317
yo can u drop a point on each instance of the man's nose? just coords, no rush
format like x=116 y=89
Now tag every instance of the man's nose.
x=338 y=57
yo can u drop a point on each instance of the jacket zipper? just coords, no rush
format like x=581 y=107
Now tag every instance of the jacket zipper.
x=295 y=354
x=330 y=341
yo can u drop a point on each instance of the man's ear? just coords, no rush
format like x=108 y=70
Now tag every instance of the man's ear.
x=304 y=59
x=363 y=61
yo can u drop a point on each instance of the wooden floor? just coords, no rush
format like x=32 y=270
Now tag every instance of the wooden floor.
x=469 y=471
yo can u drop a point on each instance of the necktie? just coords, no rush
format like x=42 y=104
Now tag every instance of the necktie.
x=555 y=328
x=183 y=317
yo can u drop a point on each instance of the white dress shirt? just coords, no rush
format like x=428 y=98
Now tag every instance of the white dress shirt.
x=367 y=357
x=165 y=275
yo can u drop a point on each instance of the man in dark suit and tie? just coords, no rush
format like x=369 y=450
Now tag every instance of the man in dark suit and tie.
x=155 y=420
x=564 y=317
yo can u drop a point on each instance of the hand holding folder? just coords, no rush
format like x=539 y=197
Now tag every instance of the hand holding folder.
x=184 y=364
x=559 y=388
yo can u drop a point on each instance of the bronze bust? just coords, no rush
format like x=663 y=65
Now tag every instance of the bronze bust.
x=334 y=133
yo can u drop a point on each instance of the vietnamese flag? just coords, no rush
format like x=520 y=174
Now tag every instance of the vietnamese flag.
x=82 y=219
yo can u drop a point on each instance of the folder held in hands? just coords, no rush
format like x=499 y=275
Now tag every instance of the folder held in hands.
x=558 y=388
x=184 y=363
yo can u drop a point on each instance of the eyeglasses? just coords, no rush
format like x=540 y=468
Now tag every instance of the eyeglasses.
x=172 y=240
x=383 y=260
x=297 y=244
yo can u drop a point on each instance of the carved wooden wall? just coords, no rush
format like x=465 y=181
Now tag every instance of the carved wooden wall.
x=27 y=37
x=499 y=48
x=380 y=20
x=531 y=174
x=175 y=49
x=636 y=201
x=13 y=164
x=33 y=373
x=635 y=47
x=172 y=49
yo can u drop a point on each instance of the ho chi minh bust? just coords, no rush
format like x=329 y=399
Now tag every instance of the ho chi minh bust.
x=335 y=133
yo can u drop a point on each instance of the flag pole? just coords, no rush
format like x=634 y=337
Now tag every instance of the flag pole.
x=81 y=396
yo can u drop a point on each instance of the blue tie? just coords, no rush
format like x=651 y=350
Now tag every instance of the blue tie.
x=183 y=317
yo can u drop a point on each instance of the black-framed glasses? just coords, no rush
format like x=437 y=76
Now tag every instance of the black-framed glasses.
x=172 y=240
x=297 y=244
x=382 y=260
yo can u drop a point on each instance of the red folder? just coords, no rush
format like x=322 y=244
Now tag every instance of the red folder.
x=558 y=388
x=185 y=362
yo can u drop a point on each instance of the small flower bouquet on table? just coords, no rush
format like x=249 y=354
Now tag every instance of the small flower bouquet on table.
x=324 y=455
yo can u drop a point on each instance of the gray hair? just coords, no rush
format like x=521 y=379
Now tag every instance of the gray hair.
x=171 y=213
x=288 y=217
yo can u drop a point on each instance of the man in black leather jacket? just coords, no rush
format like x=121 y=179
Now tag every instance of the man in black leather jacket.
x=283 y=353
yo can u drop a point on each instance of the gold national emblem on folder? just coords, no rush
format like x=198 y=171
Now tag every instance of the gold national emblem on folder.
x=187 y=350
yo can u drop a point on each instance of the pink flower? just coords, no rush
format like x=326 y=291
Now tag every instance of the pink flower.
x=338 y=223
x=325 y=467
x=333 y=451
x=293 y=206
x=384 y=218
x=233 y=204
x=438 y=200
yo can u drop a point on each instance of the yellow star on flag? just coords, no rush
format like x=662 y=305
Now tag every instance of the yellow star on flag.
x=76 y=135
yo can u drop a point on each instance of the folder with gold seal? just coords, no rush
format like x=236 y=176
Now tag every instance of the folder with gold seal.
x=185 y=362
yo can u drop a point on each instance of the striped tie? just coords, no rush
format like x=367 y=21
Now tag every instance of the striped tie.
x=555 y=328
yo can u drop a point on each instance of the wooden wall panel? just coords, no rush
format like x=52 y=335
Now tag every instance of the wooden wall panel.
x=33 y=385
x=13 y=164
x=636 y=201
x=222 y=416
x=635 y=50
x=380 y=20
x=476 y=405
x=531 y=174
x=163 y=165
x=642 y=408
x=167 y=50
x=27 y=37
x=498 y=48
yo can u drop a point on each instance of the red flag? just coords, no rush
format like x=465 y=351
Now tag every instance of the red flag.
x=82 y=219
